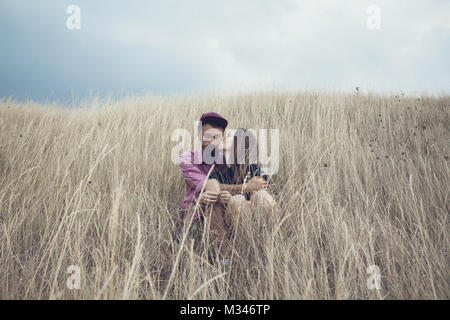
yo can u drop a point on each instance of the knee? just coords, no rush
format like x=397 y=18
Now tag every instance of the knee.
x=258 y=196
x=236 y=201
x=237 y=198
x=239 y=209
x=212 y=185
x=263 y=198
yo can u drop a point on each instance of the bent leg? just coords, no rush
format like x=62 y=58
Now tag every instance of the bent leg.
x=218 y=228
x=263 y=200
x=235 y=204
x=238 y=207
x=216 y=213
x=212 y=185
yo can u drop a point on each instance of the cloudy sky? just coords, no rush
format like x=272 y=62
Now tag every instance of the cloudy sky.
x=174 y=46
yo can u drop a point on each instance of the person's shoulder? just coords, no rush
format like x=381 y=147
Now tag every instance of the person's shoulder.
x=255 y=170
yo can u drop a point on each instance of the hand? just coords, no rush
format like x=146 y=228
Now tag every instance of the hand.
x=224 y=197
x=208 y=197
x=255 y=184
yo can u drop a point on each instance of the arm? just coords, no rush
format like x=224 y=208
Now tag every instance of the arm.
x=254 y=184
x=192 y=174
x=195 y=178
x=233 y=188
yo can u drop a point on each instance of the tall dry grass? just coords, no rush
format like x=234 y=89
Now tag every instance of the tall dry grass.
x=363 y=180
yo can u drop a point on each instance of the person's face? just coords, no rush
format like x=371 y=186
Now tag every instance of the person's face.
x=211 y=135
x=228 y=145
x=228 y=139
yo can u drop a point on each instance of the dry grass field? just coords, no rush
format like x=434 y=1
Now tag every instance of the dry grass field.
x=363 y=180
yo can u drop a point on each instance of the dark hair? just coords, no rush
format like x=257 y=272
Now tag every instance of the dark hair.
x=250 y=148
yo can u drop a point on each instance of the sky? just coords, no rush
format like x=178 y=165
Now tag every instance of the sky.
x=182 y=47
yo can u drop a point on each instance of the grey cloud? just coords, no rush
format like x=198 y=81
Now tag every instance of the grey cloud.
x=197 y=46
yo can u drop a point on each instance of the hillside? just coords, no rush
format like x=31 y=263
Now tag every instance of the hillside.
x=362 y=180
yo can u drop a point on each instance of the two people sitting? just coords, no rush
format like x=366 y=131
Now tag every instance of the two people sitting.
x=228 y=191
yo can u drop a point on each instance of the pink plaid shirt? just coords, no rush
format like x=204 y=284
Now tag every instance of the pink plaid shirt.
x=194 y=175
